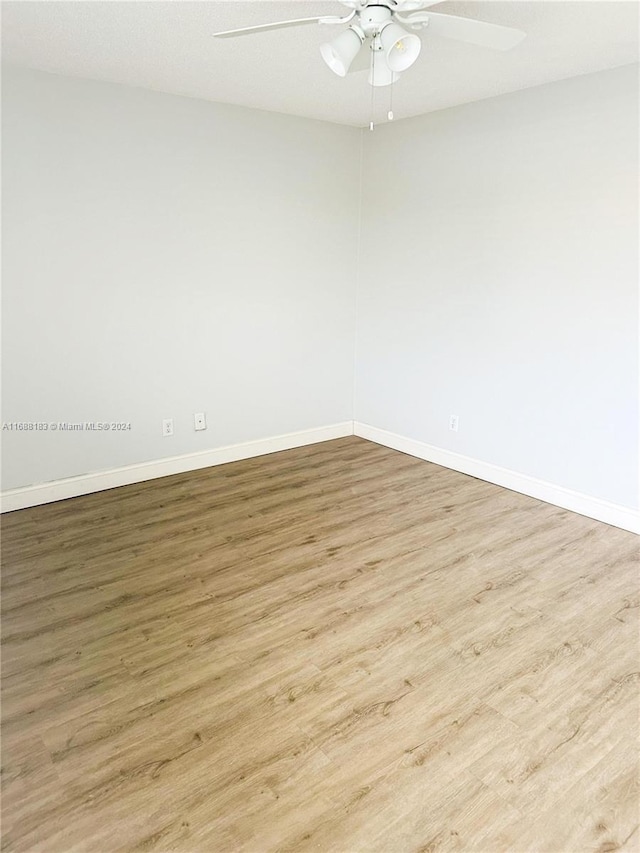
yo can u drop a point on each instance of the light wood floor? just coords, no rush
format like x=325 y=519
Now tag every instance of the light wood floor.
x=338 y=648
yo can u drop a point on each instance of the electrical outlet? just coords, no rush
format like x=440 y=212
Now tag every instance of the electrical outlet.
x=167 y=426
x=200 y=421
x=453 y=423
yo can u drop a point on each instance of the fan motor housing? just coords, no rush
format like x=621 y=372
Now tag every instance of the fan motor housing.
x=374 y=17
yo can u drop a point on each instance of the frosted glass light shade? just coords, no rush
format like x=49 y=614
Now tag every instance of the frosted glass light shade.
x=340 y=53
x=400 y=47
x=380 y=74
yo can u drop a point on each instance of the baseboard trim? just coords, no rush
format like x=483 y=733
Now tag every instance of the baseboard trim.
x=618 y=516
x=57 y=490
x=85 y=484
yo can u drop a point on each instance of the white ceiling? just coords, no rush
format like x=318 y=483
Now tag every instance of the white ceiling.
x=168 y=46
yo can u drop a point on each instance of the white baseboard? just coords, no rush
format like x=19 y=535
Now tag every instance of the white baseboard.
x=57 y=490
x=85 y=484
x=618 y=516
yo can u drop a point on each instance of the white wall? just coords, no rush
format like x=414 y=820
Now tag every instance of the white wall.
x=165 y=256
x=499 y=282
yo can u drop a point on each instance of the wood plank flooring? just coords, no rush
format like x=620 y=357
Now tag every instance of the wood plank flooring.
x=337 y=648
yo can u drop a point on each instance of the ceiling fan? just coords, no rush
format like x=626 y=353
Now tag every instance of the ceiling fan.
x=388 y=27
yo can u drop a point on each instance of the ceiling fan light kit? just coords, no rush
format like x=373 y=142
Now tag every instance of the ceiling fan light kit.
x=390 y=38
x=398 y=47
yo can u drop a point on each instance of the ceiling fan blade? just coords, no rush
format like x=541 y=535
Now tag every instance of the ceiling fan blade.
x=468 y=29
x=281 y=25
x=414 y=5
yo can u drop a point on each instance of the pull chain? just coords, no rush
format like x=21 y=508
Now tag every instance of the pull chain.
x=373 y=71
x=390 y=113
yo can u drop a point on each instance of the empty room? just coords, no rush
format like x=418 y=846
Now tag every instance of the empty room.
x=320 y=435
